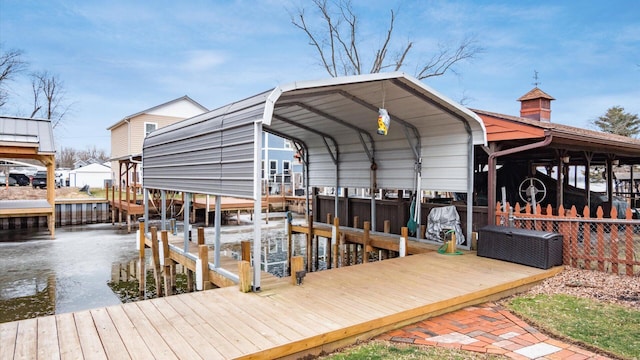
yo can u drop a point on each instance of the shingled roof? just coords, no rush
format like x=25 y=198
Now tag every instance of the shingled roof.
x=535 y=93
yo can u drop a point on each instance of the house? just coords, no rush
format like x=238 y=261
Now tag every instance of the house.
x=285 y=168
x=94 y=175
x=127 y=135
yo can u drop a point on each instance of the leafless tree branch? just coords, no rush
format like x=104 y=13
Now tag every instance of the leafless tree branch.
x=443 y=61
x=50 y=89
x=340 y=53
x=11 y=64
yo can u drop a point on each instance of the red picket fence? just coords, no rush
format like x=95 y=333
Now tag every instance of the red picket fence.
x=603 y=244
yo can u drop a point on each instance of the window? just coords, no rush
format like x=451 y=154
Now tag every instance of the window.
x=273 y=167
x=262 y=169
x=286 y=167
x=149 y=127
x=287 y=144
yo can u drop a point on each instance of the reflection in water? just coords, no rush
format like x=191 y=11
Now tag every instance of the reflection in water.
x=40 y=276
x=125 y=280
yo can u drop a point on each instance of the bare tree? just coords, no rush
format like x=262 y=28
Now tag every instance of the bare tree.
x=11 y=64
x=337 y=44
x=66 y=157
x=92 y=153
x=48 y=97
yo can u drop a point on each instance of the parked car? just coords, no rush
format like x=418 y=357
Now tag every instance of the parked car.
x=39 y=180
x=3 y=181
x=21 y=179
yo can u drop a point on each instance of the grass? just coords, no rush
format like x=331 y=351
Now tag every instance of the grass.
x=612 y=328
x=378 y=350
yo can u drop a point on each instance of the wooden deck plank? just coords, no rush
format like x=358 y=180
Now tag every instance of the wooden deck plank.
x=213 y=336
x=233 y=335
x=68 y=339
x=155 y=342
x=130 y=336
x=112 y=343
x=48 y=338
x=220 y=312
x=300 y=325
x=27 y=340
x=8 y=334
x=258 y=319
x=88 y=335
x=198 y=342
x=180 y=346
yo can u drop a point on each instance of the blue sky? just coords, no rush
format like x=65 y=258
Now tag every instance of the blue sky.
x=120 y=57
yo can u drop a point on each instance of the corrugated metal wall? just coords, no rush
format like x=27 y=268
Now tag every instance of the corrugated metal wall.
x=212 y=151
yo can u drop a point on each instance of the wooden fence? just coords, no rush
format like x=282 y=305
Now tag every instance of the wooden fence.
x=604 y=244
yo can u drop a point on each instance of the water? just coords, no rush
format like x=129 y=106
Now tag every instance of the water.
x=40 y=276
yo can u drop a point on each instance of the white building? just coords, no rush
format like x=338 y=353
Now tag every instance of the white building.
x=93 y=175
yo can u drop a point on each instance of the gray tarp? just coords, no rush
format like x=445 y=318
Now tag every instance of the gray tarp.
x=444 y=218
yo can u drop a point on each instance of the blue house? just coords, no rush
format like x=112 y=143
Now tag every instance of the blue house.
x=281 y=169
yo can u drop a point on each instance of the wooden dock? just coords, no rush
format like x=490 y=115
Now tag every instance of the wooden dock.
x=330 y=309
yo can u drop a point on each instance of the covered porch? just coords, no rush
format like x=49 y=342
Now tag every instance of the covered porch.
x=26 y=138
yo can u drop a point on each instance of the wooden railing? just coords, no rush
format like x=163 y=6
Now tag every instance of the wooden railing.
x=604 y=244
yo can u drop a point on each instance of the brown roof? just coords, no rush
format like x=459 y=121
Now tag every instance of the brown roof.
x=535 y=93
x=566 y=131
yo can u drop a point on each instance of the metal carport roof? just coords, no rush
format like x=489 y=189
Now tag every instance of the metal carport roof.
x=429 y=145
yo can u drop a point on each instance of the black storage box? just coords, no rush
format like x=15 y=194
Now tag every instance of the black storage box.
x=539 y=249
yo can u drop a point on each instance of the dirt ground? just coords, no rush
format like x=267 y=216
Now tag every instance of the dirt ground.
x=606 y=287
x=29 y=193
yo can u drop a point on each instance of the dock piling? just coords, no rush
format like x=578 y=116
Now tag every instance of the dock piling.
x=365 y=242
x=245 y=271
x=155 y=253
x=203 y=256
x=141 y=260
x=166 y=264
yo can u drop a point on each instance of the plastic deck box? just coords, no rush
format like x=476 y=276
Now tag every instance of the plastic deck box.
x=539 y=249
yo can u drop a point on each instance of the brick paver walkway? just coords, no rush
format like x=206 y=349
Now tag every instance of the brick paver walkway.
x=488 y=328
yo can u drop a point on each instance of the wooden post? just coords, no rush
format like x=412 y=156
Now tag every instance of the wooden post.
x=200 y=235
x=297 y=264
x=365 y=242
x=203 y=255
x=245 y=271
x=387 y=226
x=309 y=243
x=164 y=237
x=404 y=235
x=384 y=254
x=289 y=246
x=356 y=250
x=328 y=218
x=586 y=242
x=356 y=222
x=141 y=261
x=628 y=242
x=347 y=253
x=316 y=248
x=334 y=242
x=600 y=240
x=189 y=280
x=245 y=250
x=155 y=253
x=615 y=255
x=343 y=250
